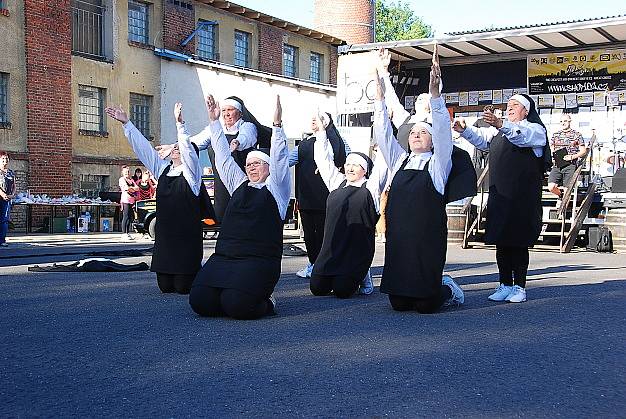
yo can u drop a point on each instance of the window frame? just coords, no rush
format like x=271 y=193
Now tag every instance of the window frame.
x=143 y=125
x=146 y=36
x=320 y=67
x=247 y=37
x=294 y=64
x=85 y=126
x=5 y=114
x=212 y=28
x=97 y=30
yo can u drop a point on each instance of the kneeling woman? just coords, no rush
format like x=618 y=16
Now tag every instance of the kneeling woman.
x=415 y=250
x=180 y=197
x=350 y=227
x=239 y=278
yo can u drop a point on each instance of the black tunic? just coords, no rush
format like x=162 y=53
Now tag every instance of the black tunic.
x=348 y=246
x=311 y=191
x=415 y=250
x=178 y=232
x=249 y=248
x=514 y=204
x=221 y=194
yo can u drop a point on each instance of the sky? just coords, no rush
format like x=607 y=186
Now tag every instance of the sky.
x=455 y=16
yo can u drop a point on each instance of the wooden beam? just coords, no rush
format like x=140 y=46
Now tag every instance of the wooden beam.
x=483 y=47
x=541 y=41
x=572 y=38
x=510 y=44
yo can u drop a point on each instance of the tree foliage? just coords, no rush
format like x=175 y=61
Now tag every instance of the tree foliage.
x=397 y=21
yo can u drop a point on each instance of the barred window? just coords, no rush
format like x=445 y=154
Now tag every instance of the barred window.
x=207 y=41
x=140 y=106
x=290 y=59
x=90 y=108
x=4 y=99
x=137 y=22
x=317 y=65
x=241 y=49
x=87 y=27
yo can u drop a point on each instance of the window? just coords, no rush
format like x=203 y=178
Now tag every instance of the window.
x=317 y=66
x=4 y=99
x=90 y=109
x=137 y=22
x=91 y=185
x=87 y=27
x=140 y=106
x=206 y=40
x=242 y=40
x=290 y=59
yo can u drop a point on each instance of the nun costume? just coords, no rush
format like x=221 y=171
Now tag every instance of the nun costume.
x=182 y=204
x=239 y=278
x=352 y=210
x=518 y=153
x=415 y=249
x=311 y=191
x=246 y=132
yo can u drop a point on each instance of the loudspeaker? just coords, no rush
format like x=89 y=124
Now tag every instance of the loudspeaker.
x=619 y=181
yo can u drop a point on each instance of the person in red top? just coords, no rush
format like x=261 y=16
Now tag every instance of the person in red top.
x=129 y=190
x=146 y=187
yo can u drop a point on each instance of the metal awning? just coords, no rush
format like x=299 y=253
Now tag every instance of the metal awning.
x=507 y=43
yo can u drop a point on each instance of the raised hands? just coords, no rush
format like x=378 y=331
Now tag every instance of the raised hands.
x=434 y=87
x=178 y=113
x=278 y=113
x=384 y=58
x=213 y=108
x=117 y=113
x=164 y=150
x=490 y=118
x=459 y=125
x=380 y=88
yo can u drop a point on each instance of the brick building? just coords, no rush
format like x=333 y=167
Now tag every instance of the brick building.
x=63 y=62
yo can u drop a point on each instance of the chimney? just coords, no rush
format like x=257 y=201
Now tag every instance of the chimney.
x=350 y=20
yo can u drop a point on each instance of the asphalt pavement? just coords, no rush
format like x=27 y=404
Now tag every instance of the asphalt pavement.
x=109 y=344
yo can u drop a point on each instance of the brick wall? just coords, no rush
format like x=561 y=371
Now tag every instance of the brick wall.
x=351 y=20
x=179 y=22
x=270 y=49
x=332 y=65
x=49 y=96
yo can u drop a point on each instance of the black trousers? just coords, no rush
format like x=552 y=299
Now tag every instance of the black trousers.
x=512 y=264
x=178 y=283
x=127 y=218
x=217 y=302
x=313 y=227
x=421 y=305
x=343 y=285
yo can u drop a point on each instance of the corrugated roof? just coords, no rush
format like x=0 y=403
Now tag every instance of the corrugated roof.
x=237 y=9
x=506 y=44
x=538 y=25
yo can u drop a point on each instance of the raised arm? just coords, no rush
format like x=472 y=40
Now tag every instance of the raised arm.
x=524 y=133
x=142 y=148
x=441 y=162
x=230 y=173
x=279 y=180
x=391 y=99
x=188 y=156
x=391 y=150
x=325 y=159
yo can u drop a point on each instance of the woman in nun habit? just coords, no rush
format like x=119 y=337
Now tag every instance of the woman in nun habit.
x=415 y=250
x=182 y=203
x=518 y=153
x=244 y=134
x=238 y=279
x=352 y=210
x=311 y=191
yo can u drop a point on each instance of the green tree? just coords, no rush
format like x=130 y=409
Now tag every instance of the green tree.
x=397 y=21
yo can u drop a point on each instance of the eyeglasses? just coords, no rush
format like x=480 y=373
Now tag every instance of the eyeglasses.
x=254 y=164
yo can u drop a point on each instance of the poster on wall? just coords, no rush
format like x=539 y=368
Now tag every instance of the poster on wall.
x=497 y=97
x=571 y=101
x=463 y=98
x=545 y=101
x=581 y=71
x=585 y=98
x=559 y=101
x=485 y=96
x=613 y=99
x=473 y=97
x=506 y=95
x=356 y=86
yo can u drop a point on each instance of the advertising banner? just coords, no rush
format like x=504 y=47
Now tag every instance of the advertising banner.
x=577 y=72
